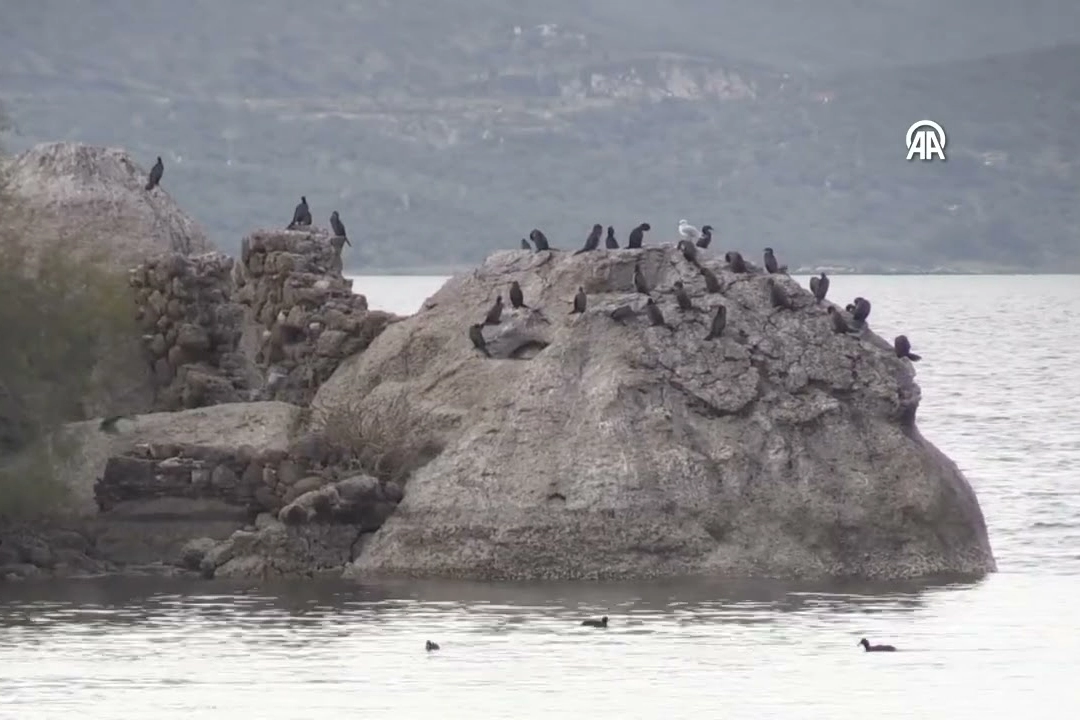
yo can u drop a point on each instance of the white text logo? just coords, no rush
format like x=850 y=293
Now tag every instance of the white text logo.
x=926 y=139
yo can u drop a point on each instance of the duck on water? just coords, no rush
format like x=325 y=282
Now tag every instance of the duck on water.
x=601 y=623
x=876 y=648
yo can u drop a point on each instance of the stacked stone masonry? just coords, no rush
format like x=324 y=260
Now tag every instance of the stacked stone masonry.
x=310 y=318
x=302 y=485
x=191 y=330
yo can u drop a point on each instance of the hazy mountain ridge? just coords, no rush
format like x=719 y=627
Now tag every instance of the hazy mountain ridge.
x=440 y=140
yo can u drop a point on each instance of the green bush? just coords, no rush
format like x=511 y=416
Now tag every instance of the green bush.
x=58 y=316
x=29 y=485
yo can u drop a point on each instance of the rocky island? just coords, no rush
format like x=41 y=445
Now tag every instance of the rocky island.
x=287 y=430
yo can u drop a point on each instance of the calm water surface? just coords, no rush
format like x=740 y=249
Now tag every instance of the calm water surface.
x=999 y=380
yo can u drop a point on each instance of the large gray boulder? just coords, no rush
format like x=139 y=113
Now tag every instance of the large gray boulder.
x=94 y=198
x=585 y=448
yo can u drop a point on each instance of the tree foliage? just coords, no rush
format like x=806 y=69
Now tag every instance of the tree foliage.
x=58 y=317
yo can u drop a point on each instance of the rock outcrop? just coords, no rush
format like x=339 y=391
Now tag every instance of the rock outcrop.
x=588 y=448
x=238 y=488
x=139 y=495
x=192 y=331
x=272 y=327
x=31 y=551
x=92 y=200
x=258 y=429
x=311 y=319
x=317 y=534
x=168 y=478
x=95 y=198
x=270 y=549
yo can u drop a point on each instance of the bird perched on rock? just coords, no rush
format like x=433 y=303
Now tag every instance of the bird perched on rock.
x=639 y=281
x=711 y=283
x=338 y=227
x=656 y=318
x=682 y=298
x=860 y=310
x=517 y=298
x=593 y=241
x=525 y=244
x=779 y=296
x=495 y=313
x=637 y=236
x=735 y=261
x=689 y=251
x=819 y=286
x=610 y=242
x=839 y=324
x=579 y=301
x=622 y=313
x=706 y=237
x=540 y=240
x=301 y=216
x=902 y=346
x=476 y=334
x=719 y=322
x=155 y=174
x=688 y=231
x=108 y=424
x=771 y=265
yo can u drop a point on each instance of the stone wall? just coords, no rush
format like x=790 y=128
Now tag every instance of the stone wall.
x=152 y=472
x=238 y=512
x=311 y=319
x=287 y=291
x=258 y=482
x=192 y=329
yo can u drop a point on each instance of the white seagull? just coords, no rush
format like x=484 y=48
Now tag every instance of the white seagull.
x=688 y=231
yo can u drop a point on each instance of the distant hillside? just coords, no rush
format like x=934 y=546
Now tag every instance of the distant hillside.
x=441 y=134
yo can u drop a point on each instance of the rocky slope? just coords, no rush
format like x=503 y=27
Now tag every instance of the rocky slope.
x=588 y=448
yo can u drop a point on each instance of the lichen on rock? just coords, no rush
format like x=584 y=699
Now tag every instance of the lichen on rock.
x=587 y=448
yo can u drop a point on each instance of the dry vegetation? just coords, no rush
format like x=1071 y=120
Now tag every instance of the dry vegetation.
x=388 y=443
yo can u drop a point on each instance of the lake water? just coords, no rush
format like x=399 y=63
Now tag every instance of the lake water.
x=999 y=377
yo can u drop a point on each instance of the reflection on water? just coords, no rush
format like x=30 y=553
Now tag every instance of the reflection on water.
x=993 y=376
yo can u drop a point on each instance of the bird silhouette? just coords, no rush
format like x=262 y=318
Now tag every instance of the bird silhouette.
x=301 y=215
x=155 y=174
